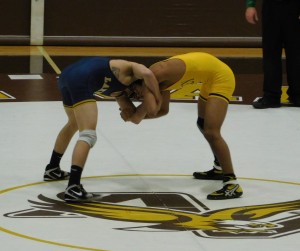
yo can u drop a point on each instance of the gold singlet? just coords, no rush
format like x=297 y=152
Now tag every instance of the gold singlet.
x=216 y=77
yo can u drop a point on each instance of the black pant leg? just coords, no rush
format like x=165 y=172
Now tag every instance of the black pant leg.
x=272 y=44
x=292 y=47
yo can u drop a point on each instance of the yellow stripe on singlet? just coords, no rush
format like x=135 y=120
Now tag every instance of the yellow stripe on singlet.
x=81 y=103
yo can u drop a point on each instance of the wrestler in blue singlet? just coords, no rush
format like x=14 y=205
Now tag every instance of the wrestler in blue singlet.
x=79 y=81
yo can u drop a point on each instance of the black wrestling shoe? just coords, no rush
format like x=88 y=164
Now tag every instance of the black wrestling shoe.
x=55 y=173
x=263 y=103
x=229 y=191
x=213 y=174
x=76 y=193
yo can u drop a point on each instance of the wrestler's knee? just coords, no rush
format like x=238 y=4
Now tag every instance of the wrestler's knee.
x=88 y=136
x=211 y=134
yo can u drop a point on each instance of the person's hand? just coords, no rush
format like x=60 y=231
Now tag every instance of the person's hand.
x=251 y=15
x=126 y=114
x=138 y=91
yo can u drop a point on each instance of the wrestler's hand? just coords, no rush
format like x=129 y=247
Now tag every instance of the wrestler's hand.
x=126 y=114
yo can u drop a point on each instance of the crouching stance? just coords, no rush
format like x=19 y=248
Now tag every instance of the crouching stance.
x=77 y=84
x=218 y=84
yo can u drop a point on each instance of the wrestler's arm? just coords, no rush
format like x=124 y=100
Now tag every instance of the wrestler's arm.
x=126 y=104
x=164 y=108
x=137 y=115
x=142 y=72
x=129 y=112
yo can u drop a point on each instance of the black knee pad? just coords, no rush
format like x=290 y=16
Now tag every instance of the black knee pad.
x=200 y=124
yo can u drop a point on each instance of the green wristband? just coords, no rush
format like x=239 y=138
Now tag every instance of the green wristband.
x=250 y=3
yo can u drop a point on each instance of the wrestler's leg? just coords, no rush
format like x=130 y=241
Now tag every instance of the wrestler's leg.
x=214 y=113
x=53 y=171
x=67 y=132
x=216 y=172
x=86 y=116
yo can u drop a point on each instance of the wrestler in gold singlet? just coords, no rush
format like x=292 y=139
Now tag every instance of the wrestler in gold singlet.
x=218 y=84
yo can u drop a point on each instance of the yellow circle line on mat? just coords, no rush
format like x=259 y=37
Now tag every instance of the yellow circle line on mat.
x=107 y=176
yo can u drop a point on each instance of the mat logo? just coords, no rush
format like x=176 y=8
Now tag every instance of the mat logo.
x=175 y=212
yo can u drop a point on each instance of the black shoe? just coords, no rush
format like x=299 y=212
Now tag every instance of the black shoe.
x=55 y=173
x=229 y=191
x=76 y=193
x=263 y=103
x=213 y=174
x=295 y=102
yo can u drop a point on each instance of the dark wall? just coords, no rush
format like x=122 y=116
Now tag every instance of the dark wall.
x=15 y=21
x=137 y=22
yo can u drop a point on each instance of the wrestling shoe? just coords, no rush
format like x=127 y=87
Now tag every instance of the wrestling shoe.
x=229 y=191
x=213 y=174
x=76 y=193
x=55 y=173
